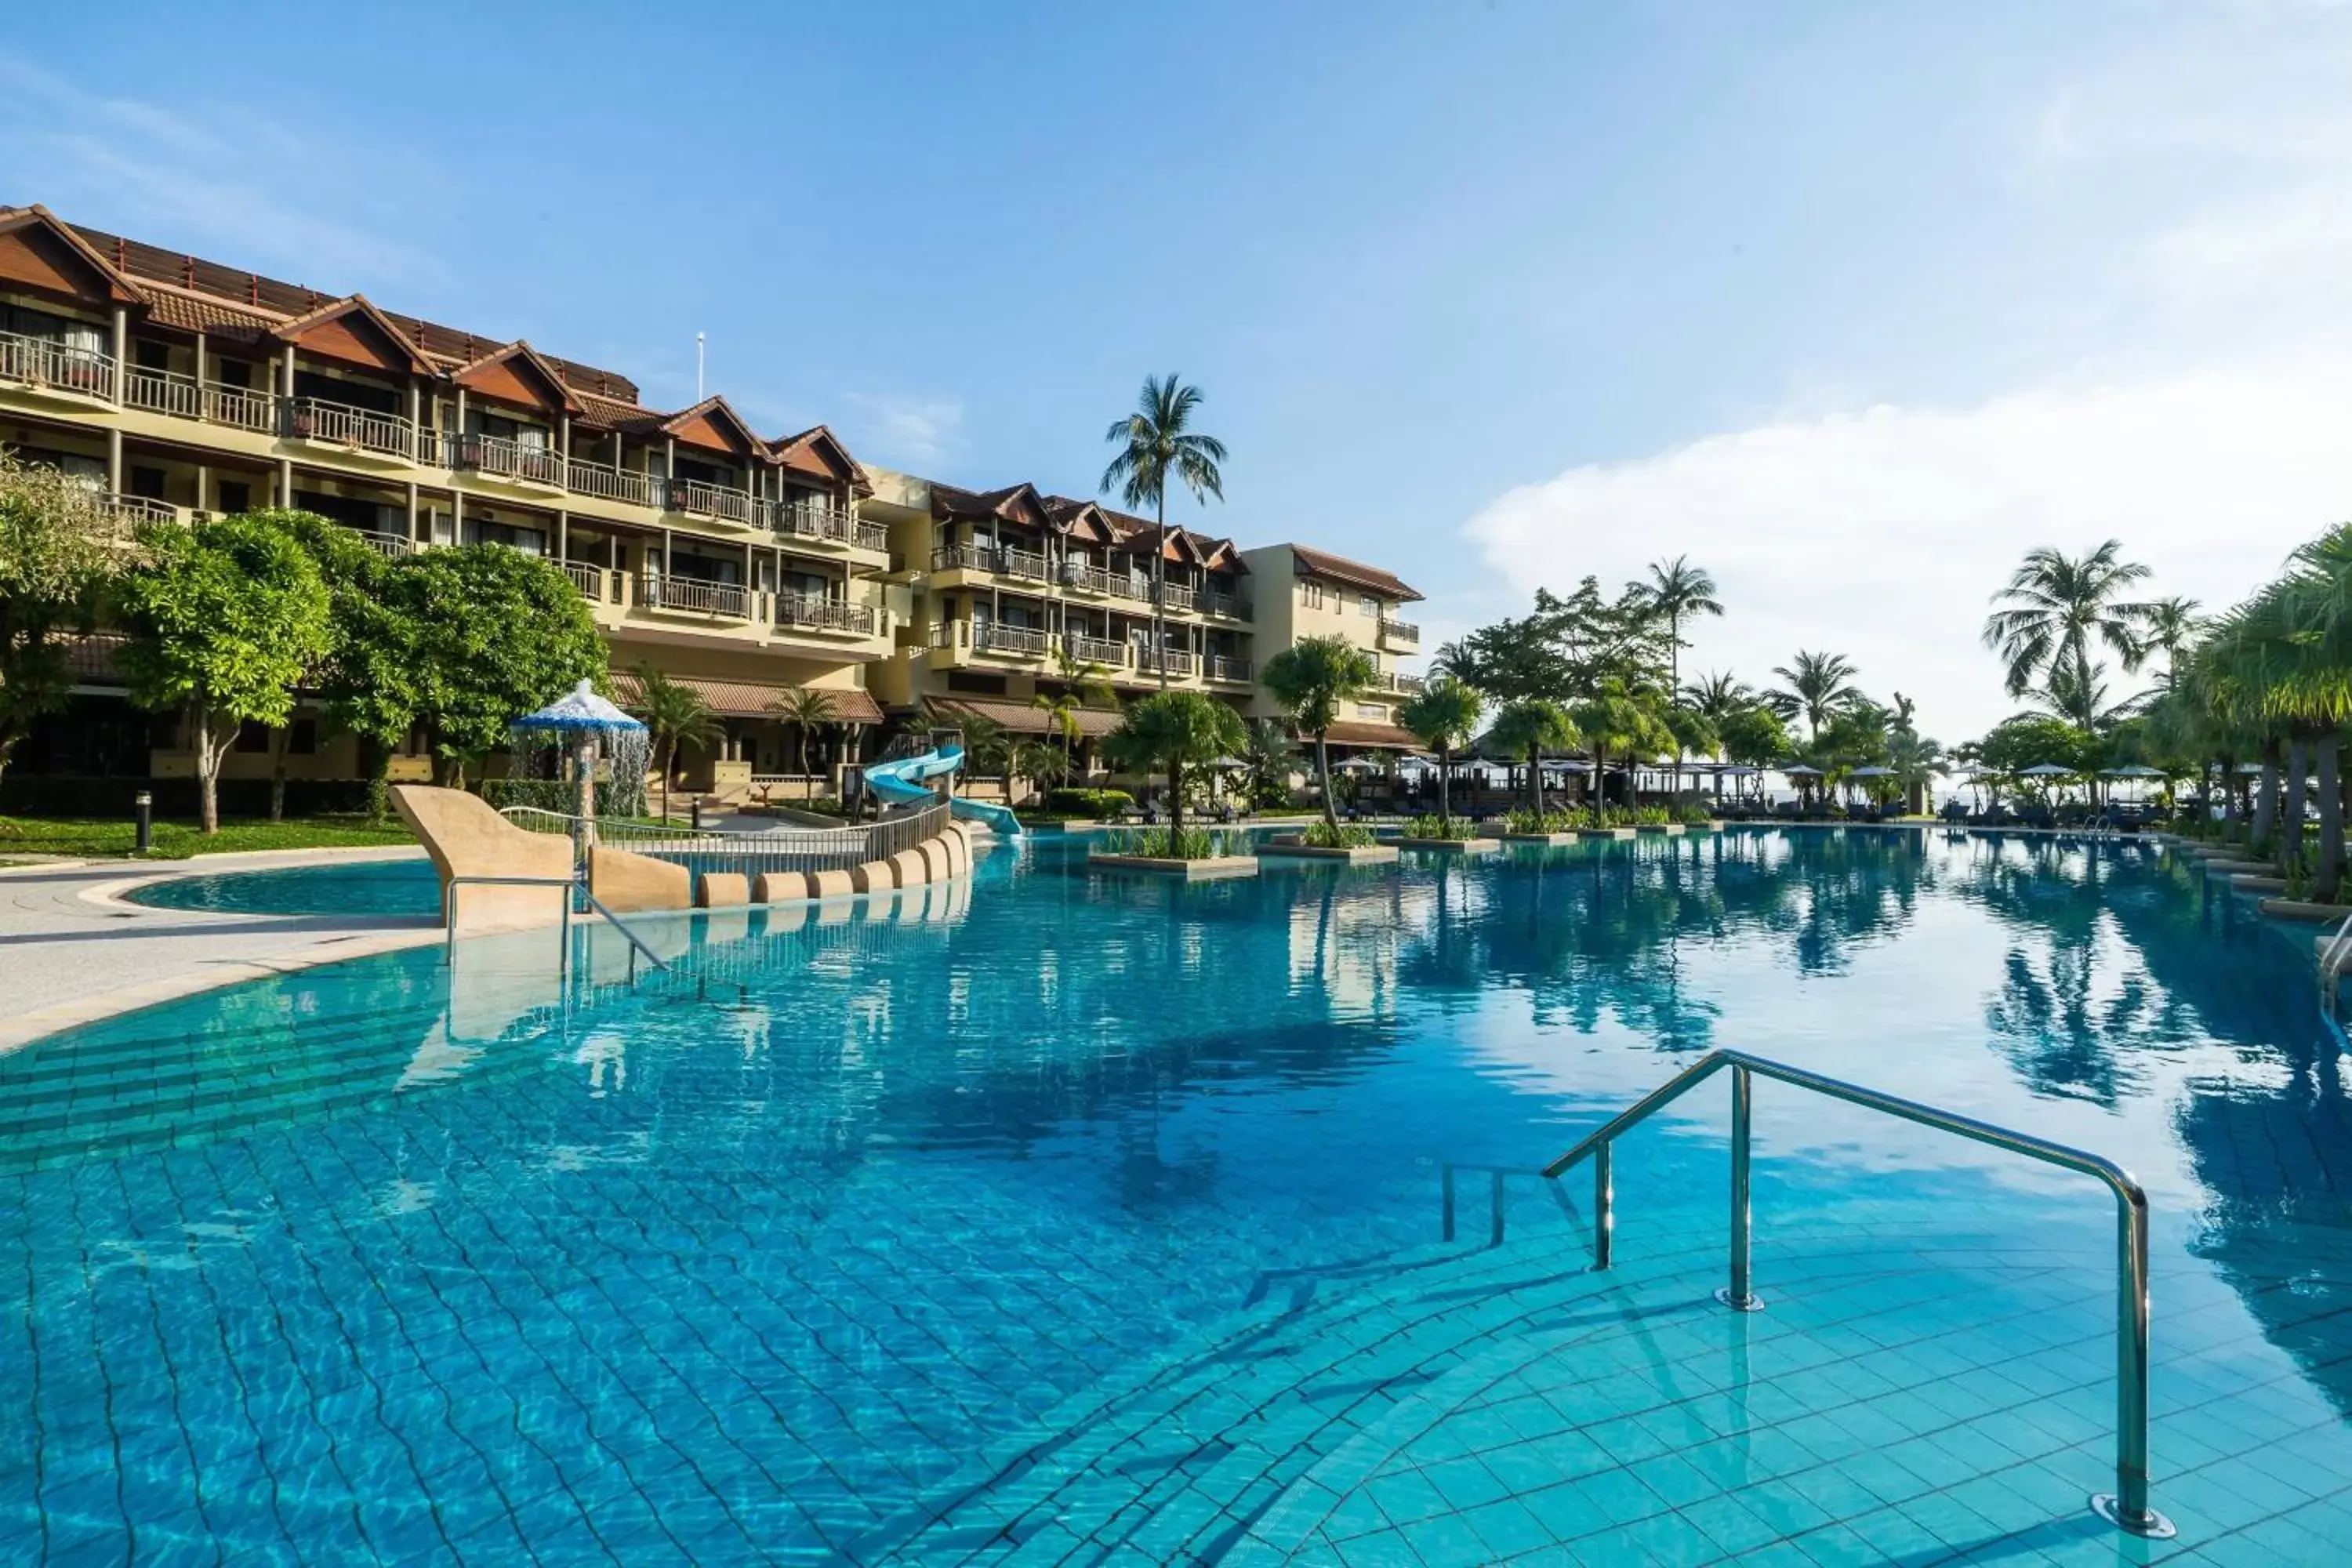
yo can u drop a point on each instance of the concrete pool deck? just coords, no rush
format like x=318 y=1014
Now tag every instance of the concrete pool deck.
x=73 y=950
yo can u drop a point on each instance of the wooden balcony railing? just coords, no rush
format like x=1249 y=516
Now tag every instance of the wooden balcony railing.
x=699 y=499
x=48 y=362
x=507 y=460
x=1400 y=631
x=695 y=595
x=828 y=615
x=362 y=429
x=612 y=484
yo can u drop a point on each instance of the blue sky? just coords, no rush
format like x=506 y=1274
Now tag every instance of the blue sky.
x=1849 y=302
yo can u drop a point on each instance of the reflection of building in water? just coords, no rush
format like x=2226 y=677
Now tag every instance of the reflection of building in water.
x=607 y=1057
x=1347 y=935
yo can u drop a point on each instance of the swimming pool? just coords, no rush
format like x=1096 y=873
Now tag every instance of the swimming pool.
x=1058 y=1219
x=357 y=888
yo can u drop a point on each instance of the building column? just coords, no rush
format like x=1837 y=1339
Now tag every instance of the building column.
x=114 y=462
x=412 y=512
x=665 y=571
x=203 y=483
x=286 y=481
x=563 y=536
x=200 y=373
x=415 y=440
x=457 y=516
x=121 y=349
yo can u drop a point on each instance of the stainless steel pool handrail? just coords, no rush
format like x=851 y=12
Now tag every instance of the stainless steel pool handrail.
x=563 y=959
x=2331 y=963
x=2127 y=1508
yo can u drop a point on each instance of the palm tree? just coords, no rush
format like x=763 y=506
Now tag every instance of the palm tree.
x=804 y=708
x=2054 y=605
x=1157 y=443
x=1533 y=725
x=1619 y=719
x=1821 y=686
x=1084 y=682
x=675 y=715
x=1170 y=731
x=1266 y=762
x=2169 y=625
x=1442 y=717
x=1677 y=591
x=1312 y=677
x=1715 y=698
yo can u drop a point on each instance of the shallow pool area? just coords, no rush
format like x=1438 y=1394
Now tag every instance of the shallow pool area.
x=1057 y=1218
x=337 y=887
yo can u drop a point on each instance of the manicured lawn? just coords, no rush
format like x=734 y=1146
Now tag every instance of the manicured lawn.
x=29 y=835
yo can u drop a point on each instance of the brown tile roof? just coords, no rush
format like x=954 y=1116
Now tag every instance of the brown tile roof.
x=189 y=312
x=751 y=699
x=1020 y=718
x=1338 y=568
x=357 y=305
x=1379 y=737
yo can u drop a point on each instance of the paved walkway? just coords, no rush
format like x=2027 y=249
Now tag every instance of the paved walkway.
x=70 y=954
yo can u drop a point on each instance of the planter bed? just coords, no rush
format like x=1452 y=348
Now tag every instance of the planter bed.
x=2245 y=882
x=1568 y=837
x=1448 y=846
x=1670 y=829
x=2219 y=867
x=1210 y=868
x=1360 y=854
x=1617 y=833
x=2303 y=910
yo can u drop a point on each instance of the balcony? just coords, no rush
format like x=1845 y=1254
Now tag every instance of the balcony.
x=137 y=510
x=1224 y=667
x=47 y=364
x=1175 y=661
x=1097 y=650
x=1175 y=596
x=361 y=430
x=695 y=595
x=1019 y=642
x=1233 y=606
x=588 y=579
x=801 y=519
x=1389 y=680
x=391 y=546
x=1001 y=562
x=611 y=484
x=696 y=499
x=816 y=612
x=1400 y=631
x=183 y=397
x=501 y=458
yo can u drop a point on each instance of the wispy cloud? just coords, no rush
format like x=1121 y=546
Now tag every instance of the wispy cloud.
x=233 y=181
x=901 y=429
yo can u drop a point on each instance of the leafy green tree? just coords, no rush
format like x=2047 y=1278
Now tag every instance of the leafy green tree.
x=675 y=715
x=1754 y=737
x=59 y=552
x=1157 y=444
x=1313 y=678
x=1083 y=684
x=1677 y=591
x=2054 y=605
x=1442 y=715
x=1530 y=728
x=225 y=620
x=1266 y=762
x=1170 y=731
x=1819 y=686
x=492 y=634
x=1622 y=721
x=807 y=708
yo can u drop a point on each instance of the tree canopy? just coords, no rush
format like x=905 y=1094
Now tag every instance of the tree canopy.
x=59 y=553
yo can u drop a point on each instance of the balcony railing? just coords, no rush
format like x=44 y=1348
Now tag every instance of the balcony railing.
x=696 y=596
x=1228 y=604
x=498 y=455
x=612 y=484
x=1095 y=650
x=136 y=509
x=963 y=558
x=1389 y=680
x=1400 y=631
x=588 y=579
x=182 y=397
x=1175 y=661
x=1027 y=564
x=391 y=546
x=1087 y=579
x=1224 y=667
x=1176 y=596
x=828 y=615
x=46 y=362
x=801 y=519
x=362 y=429
x=990 y=637
x=700 y=500
x=871 y=536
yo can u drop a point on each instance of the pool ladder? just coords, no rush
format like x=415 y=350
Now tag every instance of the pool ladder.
x=563 y=959
x=2126 y=1506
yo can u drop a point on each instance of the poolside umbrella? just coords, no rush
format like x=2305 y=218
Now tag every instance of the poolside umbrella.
x=2045 y=771
x=2133 y=771
x=579 y=716
x=1800 y=771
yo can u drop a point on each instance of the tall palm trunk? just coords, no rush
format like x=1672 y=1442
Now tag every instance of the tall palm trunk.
x=1175 y=807
x=1159 y=602
x=2290 y=838
x=1535 y=777
x=1323 y=781
x=2266 y=798
x=2330 y=870
x=1444 y=784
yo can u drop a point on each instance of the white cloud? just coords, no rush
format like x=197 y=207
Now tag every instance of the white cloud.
x=913 y=431
x=1880 y=534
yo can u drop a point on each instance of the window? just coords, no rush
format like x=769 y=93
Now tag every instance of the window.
x=302 y=739
x=1368 y=605
x=1372 y=710
x=1311 y=595
x=234 y=497
x=252 y=736
x=150 y=355
x=147 y=482
x=530 y=541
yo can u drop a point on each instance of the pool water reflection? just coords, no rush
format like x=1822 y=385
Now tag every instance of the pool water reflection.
x=814 y=1248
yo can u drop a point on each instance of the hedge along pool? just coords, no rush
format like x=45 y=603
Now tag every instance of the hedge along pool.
x=1075 y=1218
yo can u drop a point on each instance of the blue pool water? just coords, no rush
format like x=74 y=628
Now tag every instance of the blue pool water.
x=407 y=887
x=1070 y=1219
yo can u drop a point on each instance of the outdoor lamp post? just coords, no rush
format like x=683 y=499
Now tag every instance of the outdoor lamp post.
x=144 y=803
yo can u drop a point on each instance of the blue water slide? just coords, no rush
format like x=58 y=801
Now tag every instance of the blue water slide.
x=906 y=779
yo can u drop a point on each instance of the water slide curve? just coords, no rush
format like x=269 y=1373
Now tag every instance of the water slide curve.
x=907 y=780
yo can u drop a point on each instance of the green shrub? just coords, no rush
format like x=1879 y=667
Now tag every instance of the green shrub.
x=1097 y=804
x=1165 y=844
x=1435 y=827
x=1523 y=820
x=1347 y=836
x=547 y=794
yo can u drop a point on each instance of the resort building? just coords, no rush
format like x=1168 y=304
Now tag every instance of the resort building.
x=746 y=565
x=1304 y=593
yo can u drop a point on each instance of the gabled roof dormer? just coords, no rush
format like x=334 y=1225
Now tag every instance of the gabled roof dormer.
x=818 y=454
x=1019 y=504
x=713 y=426
x=41 y=253
x=517 y=374
x=354 y=332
